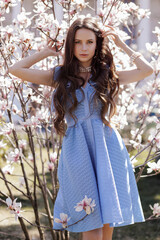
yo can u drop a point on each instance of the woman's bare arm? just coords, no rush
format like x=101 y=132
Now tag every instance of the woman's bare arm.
x=22 y=69
x=143 y=69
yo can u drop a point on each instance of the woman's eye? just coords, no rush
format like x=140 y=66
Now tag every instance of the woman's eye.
x=76 y=42
x=90 y=42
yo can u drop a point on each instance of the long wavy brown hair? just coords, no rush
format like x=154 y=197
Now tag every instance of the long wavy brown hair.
x=103 y=74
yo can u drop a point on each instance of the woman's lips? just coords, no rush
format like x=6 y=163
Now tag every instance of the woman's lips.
x=83 y=55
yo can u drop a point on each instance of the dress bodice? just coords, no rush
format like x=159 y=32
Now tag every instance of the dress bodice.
x=87 y=107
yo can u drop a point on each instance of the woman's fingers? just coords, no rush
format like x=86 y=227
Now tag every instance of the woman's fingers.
x=107 y=33
x=110 y=27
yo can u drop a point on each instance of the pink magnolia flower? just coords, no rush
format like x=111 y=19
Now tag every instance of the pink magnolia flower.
x=101 y=12
x=7 y=129
x=50 y=166
x=15 y=110
x=13 y=156
x=156 y=209
x=22 y=143
x=53 y=157
x=63 y=219
x=14 y=207
x=86 y=205
x=32 y=122
x=3 y=105
x=8 y=169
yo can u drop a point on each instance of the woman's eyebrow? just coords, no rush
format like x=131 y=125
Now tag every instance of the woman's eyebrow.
x=81 y=39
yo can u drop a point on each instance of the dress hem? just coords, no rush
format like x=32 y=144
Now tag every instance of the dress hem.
x=111 y=225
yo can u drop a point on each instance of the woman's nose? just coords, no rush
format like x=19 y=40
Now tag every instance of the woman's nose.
x=84 y=46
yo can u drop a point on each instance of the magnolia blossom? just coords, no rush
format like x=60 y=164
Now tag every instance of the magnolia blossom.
x=50 y=166
x=22 y=143
x=156 y=209
x=15 y=109
x=7 y=129
x=53 y=157
x=3 y=105
x=14 y=207
x=153 y=134
x=86 y=205
x=37 y=99
x=157 y=32
x=154 y=48
x=153 y=166
x=8 y=169
x=63 y=219
x=14 y=156
x=27 y=92
x=32 y=122
x=133 y=162
x=42 y=114
x=22 y=19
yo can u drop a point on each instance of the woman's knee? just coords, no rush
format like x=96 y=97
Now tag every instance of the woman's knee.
x=95 y=234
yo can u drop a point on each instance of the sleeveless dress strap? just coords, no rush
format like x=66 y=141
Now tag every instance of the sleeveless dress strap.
x=56 y=72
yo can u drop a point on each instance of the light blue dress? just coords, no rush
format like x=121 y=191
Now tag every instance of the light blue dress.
x=94 y=162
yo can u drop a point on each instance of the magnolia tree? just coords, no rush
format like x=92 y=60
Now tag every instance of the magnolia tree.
x=28 y=140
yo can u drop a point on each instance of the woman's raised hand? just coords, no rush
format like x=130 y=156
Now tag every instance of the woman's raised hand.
x=114 y=35
x=53 y=49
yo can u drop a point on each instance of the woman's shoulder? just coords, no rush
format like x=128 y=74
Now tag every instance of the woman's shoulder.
x=56 y=71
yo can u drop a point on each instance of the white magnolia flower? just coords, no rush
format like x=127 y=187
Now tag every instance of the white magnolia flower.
x=8 y=169
x=15 y=109
x=14 y=207
x=37 y=99
x=63 y=219
x=86 y=205
x=133 y=162
x=42 y=114
x=156 y=209
x=153 y=166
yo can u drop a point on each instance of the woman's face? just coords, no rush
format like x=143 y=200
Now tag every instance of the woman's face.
x=84 y=46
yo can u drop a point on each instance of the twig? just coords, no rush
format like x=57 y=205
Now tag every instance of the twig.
x=150 y=175
x=147 y=161
x=110 y=10
x=12 y=234
x=6 y=181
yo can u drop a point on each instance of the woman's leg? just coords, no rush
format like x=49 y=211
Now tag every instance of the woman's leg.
x=95 y=234
x=107 y=232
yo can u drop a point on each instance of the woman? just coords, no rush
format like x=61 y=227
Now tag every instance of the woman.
x=95 y=173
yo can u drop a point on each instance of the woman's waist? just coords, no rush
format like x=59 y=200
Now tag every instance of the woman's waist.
x=71 y=122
